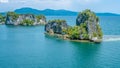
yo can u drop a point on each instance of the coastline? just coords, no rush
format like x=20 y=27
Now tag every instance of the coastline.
x=64 y=37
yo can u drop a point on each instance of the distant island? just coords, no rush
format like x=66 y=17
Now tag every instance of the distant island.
x=87 y=28
x=12 y=18
x=51 y=12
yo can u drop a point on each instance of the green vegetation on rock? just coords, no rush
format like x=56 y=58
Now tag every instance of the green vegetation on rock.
x=73 y=32
x=13 y=18
x=87 y=27
x=90 y=21
x=77 y=31
x=27 y=22
x=13 y=15
x=40 y=17
x=2 y=19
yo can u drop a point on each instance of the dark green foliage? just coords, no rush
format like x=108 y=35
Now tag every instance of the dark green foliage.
x=27 y=22
x=100 y=33
x=97 y=19
x=13 y=15
x=2 y=19
x=40 y=17
x=83 y=31
x=76 y=31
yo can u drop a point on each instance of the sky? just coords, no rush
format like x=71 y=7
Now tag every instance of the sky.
x=112 y=6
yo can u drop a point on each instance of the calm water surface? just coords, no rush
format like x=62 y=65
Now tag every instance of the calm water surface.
x=28 y=47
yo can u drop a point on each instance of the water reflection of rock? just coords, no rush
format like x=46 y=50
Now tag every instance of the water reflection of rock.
x=86 y=54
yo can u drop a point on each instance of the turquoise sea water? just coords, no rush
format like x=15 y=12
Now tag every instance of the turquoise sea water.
x=28 y=47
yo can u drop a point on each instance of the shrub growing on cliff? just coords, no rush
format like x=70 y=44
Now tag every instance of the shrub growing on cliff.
x=73 y=32
x=77 y=31
x=13 y=15
x=83 y=31
x=27 y=22
x=40 y=17
x=100 y=33
x=2 y=18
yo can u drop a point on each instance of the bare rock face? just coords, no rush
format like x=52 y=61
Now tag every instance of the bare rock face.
x=90 y=21
x=56 y=26
x=27 y=19
x=23 y=19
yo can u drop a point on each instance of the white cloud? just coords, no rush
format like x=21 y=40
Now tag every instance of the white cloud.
x=23 y=1
x=84 y=2
x=3 y=1
x=91 y=0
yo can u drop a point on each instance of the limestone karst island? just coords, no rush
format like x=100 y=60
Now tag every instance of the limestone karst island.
x=13 y=18
x=87 y=28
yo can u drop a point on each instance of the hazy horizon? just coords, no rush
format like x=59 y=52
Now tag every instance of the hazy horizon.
x=99 y=6
x=55 y=9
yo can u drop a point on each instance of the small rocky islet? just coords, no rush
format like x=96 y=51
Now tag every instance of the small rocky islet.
x=13 y=18
x=87 y=26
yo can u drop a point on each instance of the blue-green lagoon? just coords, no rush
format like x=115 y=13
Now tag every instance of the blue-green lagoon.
x=28 y=47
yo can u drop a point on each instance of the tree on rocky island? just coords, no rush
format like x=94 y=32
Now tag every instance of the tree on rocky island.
x=87 y=27
x=2 y=19
x=41 y=19
x=13 y=15
x=92 y=26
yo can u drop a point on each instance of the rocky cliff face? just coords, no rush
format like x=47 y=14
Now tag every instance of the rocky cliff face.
x=56 y=26
x=23 y=19
x=91 y=25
